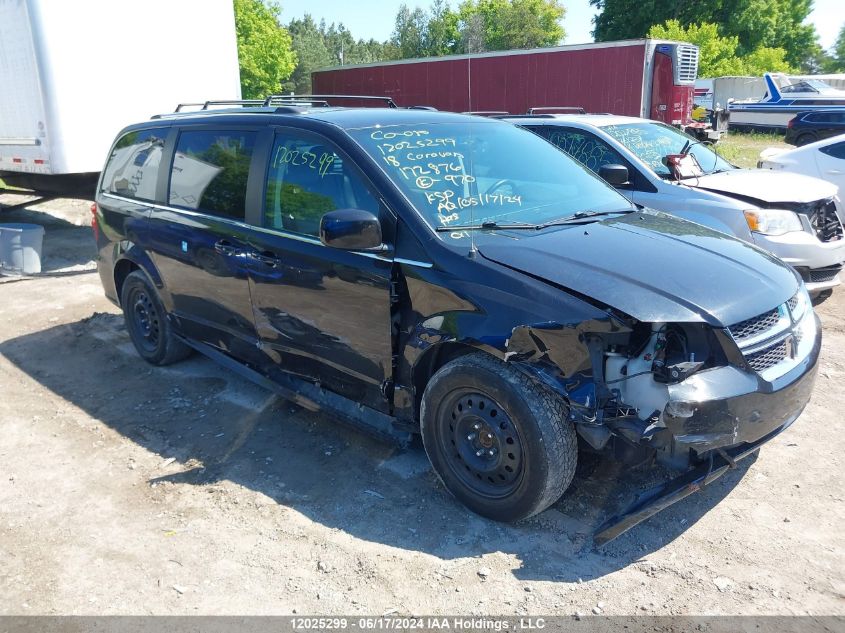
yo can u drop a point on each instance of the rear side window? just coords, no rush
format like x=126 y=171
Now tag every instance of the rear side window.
x=588 y=150
x=132 y=168
x=825 y=117
x=210 y=172
x=837 y=150
x=829 y=117
x=307 y=179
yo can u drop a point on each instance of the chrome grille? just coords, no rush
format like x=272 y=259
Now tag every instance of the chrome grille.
x=754 y=326
x=769 y=356
x=686 y=58
x=793 y=302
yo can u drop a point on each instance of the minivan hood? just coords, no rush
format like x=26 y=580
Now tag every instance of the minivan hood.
x=653 y=267
x=765 y=185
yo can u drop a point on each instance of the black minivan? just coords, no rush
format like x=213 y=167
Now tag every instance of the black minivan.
x=414 y=271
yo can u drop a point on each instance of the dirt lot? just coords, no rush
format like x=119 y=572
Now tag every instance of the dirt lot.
x=131 y=489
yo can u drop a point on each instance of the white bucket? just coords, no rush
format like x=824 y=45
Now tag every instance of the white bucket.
x=20 y=248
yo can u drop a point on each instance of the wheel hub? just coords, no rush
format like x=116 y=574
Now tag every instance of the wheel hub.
x=484 y=446
x=146 y=320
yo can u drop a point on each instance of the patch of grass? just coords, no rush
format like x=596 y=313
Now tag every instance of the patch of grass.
x=743 y=148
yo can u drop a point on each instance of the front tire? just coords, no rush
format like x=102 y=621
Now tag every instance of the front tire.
x=500 y=442
x=147 y=322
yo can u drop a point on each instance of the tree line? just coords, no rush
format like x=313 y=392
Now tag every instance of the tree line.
x=735 y=37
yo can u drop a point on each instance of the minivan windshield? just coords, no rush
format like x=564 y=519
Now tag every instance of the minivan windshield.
x=651 y=142
x=485 y=174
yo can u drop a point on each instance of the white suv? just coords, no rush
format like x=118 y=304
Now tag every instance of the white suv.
x=797 y=218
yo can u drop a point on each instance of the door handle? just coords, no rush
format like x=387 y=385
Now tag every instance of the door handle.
x=225 y=247
x=835 y=172
x=268 y=258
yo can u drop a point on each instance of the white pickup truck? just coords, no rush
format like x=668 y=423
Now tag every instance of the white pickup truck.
x=72 y=73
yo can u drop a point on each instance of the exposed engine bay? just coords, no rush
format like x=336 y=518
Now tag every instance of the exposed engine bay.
x=679 y=391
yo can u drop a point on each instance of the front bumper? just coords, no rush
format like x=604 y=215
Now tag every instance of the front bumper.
x=810 y=256
x=818 y=280
x=725 y=415
x=653 y=501
x=727 y=406
x=720 y=416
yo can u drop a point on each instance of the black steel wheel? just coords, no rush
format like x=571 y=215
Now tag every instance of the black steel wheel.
x=145 y=320
x=500 y=441
x=482 y=443
x=147 y=323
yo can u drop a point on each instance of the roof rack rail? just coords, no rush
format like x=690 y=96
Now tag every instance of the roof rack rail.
x=305 y=98
x=522 y=116
x=575 y=109
x=206 y=104
x=491 y=113
x=294 y=100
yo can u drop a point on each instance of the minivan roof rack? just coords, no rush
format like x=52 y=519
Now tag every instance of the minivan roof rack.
x=294 y=100
x=522 y=116
x=487 y=112
x=322 y=99
x=206 y=104
x=574 y=109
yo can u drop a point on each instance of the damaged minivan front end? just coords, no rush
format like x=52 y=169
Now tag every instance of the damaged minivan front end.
x=686 y=394
x=676 y=375
x=681 y=390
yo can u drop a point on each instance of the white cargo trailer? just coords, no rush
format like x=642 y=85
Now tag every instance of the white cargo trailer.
x=72 y=74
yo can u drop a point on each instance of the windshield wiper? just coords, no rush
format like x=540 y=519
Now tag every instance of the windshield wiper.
x=581 y=216
x=484 y=226
x=576 y=218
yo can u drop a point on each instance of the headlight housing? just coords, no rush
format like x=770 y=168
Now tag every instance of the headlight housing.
x=772 y=221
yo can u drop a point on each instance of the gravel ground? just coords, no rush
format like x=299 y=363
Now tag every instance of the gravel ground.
x=131 y=489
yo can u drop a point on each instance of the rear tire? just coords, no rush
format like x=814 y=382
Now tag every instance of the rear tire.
x=147 y=322
x=500 y=442
x=805 y=139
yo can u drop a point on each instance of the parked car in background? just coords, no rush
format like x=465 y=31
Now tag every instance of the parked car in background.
x=459 y=277
x=796 y=217
x=822 y=159
x=809 y=127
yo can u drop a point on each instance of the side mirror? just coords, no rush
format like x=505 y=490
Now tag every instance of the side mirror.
x=351 y=229
x=614 y=175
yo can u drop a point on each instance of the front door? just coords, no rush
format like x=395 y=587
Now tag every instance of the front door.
x=321 y=313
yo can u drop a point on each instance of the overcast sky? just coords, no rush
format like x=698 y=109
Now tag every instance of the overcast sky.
x=374 y=18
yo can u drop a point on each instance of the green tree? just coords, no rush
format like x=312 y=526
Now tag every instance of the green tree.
x=507 y=24
x=321 y=45
x=311 y=53
x=756 y=23
x=766 y=59
x=409 y=34
x=717 y=54
x=836 y=59
x=265 y=55
x=442 y=35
